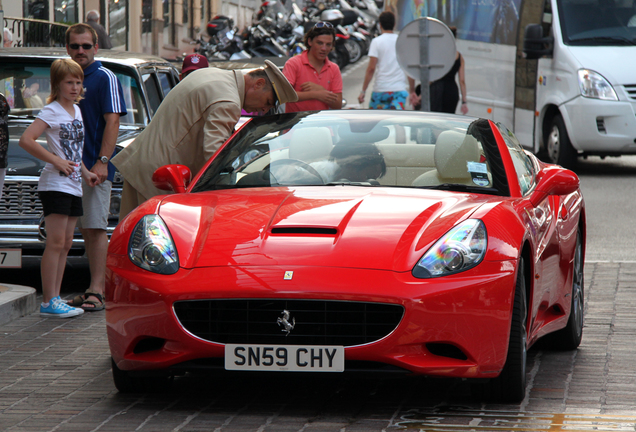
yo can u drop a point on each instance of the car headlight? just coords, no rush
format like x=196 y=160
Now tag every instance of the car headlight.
x=461 y=248
x=594 y=85
x=151 y=246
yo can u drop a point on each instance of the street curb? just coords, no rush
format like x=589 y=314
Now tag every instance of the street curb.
x=16 y=301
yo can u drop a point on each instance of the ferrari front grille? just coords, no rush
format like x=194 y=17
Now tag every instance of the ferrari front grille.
x=288 y=322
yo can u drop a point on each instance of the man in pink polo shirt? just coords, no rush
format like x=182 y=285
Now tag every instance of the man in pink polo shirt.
x=315 y=78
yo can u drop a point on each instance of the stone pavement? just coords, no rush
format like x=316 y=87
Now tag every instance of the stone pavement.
x=16 y=301
x=55 y=376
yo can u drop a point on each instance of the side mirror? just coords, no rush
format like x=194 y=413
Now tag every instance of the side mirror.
x=555 y=181
x=174 y=178
x=534 y=44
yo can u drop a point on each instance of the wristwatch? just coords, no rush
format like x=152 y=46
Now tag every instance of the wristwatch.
x=104 y=159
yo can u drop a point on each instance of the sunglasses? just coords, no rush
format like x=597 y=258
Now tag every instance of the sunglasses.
x=322 y=24
x=77 y=46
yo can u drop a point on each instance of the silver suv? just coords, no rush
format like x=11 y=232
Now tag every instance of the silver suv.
x=25 y=82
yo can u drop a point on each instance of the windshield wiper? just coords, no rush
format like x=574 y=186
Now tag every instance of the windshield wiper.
x=352 y=183
x=457 y=187
x=601 y=39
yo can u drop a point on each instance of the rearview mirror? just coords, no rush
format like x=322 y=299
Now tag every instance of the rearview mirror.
x=174 y=178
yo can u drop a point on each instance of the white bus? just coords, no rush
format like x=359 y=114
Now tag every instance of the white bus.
x=572 y=93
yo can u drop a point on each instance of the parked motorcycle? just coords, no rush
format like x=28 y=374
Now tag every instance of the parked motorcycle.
x=260 y=42
x=260 y=39
x=278 y=28
x=291 y=34
x=223 y=39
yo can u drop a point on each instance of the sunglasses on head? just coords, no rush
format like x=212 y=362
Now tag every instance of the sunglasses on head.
x=322 y=24
x=77 y=46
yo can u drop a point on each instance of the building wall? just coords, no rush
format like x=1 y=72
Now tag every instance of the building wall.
x=147 y=27
x=12 y=8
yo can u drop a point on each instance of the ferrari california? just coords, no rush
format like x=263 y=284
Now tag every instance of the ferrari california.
x=335 y=241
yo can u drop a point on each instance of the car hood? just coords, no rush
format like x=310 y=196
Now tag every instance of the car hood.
x=617 y=64
x=373 y=228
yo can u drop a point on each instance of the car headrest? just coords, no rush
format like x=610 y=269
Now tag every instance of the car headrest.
x=310 y=144
x=452 y=152
x=377 y=134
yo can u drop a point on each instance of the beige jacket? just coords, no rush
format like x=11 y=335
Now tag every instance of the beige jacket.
x=192 y=122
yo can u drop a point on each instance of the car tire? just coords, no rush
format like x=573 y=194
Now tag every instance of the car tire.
x=558 y=148
x=510 y=385
x=125 y=382
x=569 y=338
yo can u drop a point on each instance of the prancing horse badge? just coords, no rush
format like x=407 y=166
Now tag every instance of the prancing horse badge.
x=288 y=275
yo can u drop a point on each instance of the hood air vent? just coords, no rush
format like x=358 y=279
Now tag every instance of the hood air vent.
x=305 y=230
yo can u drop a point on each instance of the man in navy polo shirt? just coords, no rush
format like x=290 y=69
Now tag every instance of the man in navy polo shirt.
x=101 y=108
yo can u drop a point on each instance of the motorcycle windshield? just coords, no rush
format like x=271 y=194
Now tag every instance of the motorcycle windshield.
x=275 y=10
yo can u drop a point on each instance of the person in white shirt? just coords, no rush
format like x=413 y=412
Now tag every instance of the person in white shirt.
x=390 y=87
x=60 y=184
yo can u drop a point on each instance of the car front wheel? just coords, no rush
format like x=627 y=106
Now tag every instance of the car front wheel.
x=510 y=385
x=558 y=147
x=569 y=338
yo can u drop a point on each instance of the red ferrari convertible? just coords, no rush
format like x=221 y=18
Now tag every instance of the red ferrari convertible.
x=340 y=240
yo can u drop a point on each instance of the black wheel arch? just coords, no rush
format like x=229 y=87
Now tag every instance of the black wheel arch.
x=526 y=255
x=583 y=229
x=550 y=112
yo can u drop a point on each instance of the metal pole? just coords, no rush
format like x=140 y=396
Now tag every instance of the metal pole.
x=424 y=66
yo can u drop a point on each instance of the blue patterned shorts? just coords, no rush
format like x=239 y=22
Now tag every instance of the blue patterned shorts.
x=388 y=100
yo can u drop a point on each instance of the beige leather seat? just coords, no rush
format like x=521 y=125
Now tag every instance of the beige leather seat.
x=310 y=144
x=452 y=152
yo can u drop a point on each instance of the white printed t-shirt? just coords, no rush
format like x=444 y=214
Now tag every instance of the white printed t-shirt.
x=389 y=76
x=65 y=138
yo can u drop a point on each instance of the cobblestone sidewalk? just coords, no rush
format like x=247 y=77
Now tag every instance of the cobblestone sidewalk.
x=55 y=376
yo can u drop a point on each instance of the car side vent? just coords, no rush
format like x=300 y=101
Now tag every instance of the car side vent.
x=446 y=350
x=305 y=230
x=149 y=344
x=600 y=125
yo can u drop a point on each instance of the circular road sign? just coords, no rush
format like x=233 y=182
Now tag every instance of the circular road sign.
x=441 y=49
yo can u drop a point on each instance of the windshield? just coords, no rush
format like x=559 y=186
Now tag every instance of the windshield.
x=26 y=87
x=360 y=148
x=598 y=22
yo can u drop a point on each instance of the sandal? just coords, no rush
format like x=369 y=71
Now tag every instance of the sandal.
x=77 y=301
x=91 y=305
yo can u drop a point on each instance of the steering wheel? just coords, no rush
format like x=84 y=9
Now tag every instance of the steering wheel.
x=282 y=168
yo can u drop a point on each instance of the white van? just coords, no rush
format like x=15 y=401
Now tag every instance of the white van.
x=560 y=73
